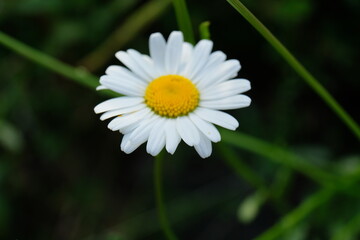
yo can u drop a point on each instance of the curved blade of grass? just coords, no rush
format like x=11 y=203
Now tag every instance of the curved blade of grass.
x=298 y=67
x=79 y=75
x=240 y=168
x=279 y=155
x=134 y=24
x=297 y=215
x=183 y=20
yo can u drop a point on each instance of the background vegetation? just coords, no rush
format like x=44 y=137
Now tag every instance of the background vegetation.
x=63 y=176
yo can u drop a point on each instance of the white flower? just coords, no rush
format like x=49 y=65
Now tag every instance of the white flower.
x=174 y=94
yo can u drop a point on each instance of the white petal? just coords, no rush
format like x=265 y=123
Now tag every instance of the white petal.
x=226 y=89
x=232 y=102
x=101 y=87
x=129 y=147
x=214 y=61
x=132 y=127
x=125 y=120
x=121 y=72
x=225 y=71
x=206 y=128
x=216 y=58
x=157 y=46
x=123 y=85
x=129 y=128
x=217 y=117
x=199 y=58
x=144 y=126
x=187 y=131
x=204 y=148
x=187 y=52
x=156 y=140
x=172 y=136
x=116 y=103
x=144 y=63
x=173 y=52
x=148 y=59
x=124 y=142
x=139 y=135
x=133 y=65
x=121 y=111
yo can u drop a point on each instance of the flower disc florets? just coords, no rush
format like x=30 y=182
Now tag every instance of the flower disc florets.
x=172 y=96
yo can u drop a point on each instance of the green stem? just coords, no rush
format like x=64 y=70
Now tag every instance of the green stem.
x=294 y=217
x=159 y=198
x=77 y=74
x=298 y=67
x=240 y=168
x=131 y=27
x=183 y=20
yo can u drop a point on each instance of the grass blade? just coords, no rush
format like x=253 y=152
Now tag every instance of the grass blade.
x=297 y=215
x=183 y=20
x=79 y=75
x=279 y=155
x=298 y=67
x=134 y=24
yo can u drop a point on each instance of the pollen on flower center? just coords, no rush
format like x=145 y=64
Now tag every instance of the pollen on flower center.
x=172 y=96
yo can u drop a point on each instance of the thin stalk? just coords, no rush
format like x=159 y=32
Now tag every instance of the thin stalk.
x=297 y=215
x=184 y=20
x=240 y=167
x=298 y=67
x=132 y=26
x=77 y=74
x=164 y=222
x=281 y=156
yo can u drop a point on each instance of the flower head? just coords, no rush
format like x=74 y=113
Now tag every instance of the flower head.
x=174 y=94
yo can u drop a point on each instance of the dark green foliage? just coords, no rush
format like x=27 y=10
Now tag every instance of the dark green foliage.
x=63 y=176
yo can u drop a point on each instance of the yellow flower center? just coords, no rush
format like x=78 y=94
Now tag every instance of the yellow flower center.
x=172 y=96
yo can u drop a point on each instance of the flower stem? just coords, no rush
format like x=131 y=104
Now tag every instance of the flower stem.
x=298 y=67
x=131 y=27
x=159 y=198
x=183 y=20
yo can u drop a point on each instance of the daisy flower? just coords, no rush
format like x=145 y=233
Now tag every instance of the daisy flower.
x=174 y=94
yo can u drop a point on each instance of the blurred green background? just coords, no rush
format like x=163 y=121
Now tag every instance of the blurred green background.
x=63 y=176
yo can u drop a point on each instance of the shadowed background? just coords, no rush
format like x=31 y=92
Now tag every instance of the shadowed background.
x=63 y=176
